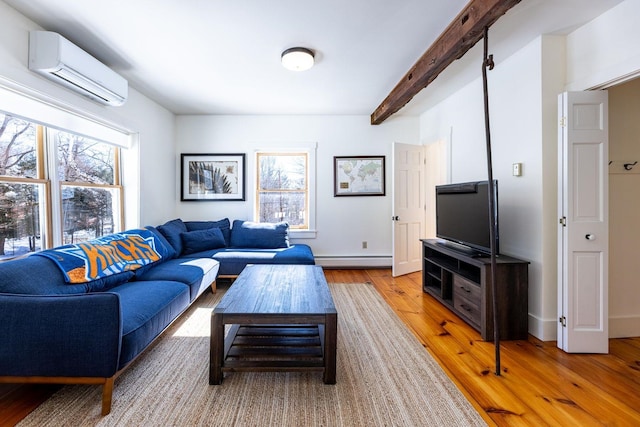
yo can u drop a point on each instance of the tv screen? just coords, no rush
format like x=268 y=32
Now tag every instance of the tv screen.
x=462 y=215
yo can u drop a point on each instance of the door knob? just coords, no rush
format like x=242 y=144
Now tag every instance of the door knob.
x=590 y=236
x=395 y=218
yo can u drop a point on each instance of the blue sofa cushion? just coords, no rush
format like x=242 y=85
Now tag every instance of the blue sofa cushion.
x=259 y=235
x=36 y=275
x=202 y=240
x=147 y=308
x=177 y=270
x=168 y=251
x=224 y=225
x=233 y=260
x=171 y=230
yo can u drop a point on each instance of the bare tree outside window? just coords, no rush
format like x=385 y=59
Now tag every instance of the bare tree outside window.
x=87 y=210
x=82 y=159
x=283 y=188
x=19 y=200
x=17 y=147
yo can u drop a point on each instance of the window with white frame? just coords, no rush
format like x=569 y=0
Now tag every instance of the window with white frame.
x=55 y=187
x=285 y=187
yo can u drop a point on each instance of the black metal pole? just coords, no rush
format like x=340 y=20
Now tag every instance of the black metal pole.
x=488 y=63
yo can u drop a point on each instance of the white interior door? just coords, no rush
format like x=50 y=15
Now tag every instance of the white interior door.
x=583 y=227
x=408 y=207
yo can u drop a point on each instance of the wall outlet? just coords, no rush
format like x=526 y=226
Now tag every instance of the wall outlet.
x=364 y=245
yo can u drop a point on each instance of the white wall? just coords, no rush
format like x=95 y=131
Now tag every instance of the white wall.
x=516 y=136
x=149 y=164
x=342 y=222
x=606 y=49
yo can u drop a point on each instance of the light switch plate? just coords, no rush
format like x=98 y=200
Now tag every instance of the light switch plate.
x=517 y=169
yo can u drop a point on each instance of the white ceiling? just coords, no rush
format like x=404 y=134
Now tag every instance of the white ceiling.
x=223 y=56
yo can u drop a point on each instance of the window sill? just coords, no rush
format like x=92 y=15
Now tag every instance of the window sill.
x=302 y=234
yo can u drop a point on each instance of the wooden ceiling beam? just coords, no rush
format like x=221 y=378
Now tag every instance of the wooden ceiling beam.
x=460 y=36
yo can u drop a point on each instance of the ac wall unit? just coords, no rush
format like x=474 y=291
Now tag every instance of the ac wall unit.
x=56 y=58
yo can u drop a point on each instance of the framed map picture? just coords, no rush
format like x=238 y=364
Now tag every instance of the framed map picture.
x=358 y=176
x=207 y=177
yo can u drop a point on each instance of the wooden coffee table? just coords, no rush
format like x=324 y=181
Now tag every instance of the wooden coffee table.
x=283 y=319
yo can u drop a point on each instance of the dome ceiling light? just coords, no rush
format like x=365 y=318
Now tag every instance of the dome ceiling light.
x=297 y=59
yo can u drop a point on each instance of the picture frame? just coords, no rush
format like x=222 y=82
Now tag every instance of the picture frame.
x=212 y=177
x=358 y=176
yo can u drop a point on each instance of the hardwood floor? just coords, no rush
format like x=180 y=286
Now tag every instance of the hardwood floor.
x=539 y=384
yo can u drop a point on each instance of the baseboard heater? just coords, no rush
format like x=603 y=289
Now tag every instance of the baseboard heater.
x=354 y=261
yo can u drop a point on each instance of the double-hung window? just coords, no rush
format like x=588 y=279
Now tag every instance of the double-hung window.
x=285 y=187
x=89 y=181
x=283 y=192
x=56 y=187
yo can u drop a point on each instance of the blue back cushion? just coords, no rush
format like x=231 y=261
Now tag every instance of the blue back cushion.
x=171 y=231
x=224 y=225
x=260 y=235
x=36 y=275
x=167 y=251
x=202 y=240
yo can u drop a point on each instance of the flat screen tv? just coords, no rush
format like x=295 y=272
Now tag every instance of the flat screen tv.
x=462 y=216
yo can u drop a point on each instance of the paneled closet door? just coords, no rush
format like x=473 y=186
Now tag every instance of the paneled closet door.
x=583 y=235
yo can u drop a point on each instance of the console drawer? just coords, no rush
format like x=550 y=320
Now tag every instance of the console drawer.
x=467 y=289
x=466 y=299
x=467 y=309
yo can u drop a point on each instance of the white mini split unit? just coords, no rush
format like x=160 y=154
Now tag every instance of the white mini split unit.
x=59 y=60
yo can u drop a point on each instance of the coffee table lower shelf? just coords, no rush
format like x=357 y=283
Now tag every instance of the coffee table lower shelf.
x=273 y=347
x=290 y=346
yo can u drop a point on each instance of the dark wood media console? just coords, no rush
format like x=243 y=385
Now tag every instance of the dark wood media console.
x=463 y=284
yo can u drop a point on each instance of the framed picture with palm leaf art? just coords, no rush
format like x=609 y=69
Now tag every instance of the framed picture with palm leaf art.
x=212 y=177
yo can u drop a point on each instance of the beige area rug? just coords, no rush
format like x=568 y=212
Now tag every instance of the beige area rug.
x=384 y=378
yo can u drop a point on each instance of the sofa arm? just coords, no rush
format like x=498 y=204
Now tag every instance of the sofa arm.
x=60 y=335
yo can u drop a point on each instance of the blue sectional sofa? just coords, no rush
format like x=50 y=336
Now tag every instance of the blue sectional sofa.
x=234 y=247
x=61 y=323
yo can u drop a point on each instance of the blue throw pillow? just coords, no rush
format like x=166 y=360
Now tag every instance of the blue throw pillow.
x=224 y=225
x=202 y=240
x=171 y=231
x=259 y=235
x=166 y=250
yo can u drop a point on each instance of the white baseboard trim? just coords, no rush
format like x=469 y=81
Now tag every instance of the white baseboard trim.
x=619 y=327
x=543 y=329
x=624 y=326
x=354 y=261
